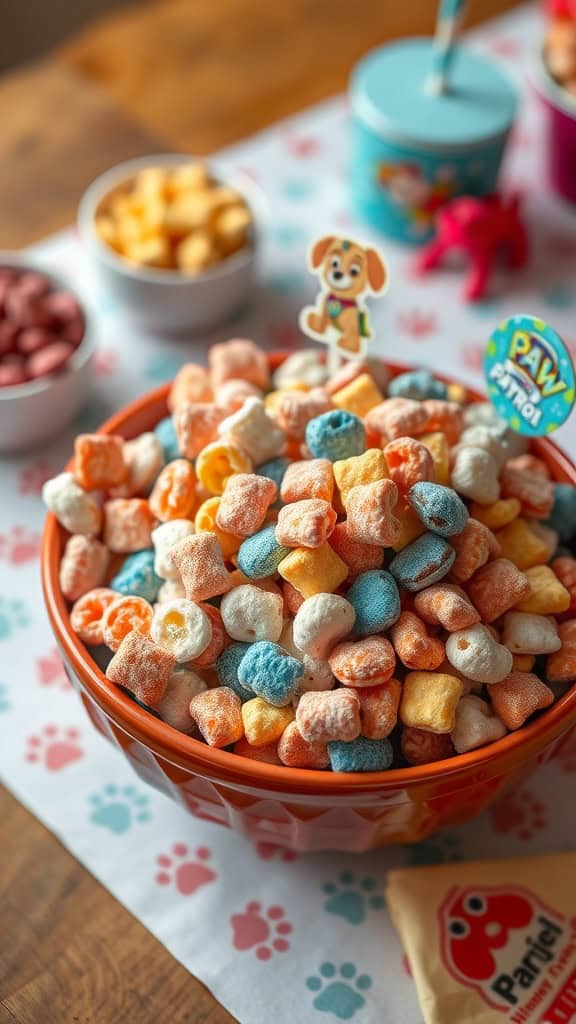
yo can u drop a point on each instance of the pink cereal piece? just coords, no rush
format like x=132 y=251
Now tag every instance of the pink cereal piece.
x=447 y=417
x=125 y=614
x=49 y=359
x=218 y=715
x=293 y=599
x=267 y=754
x=370 y=513
x=219 y=641
x=128 y=525
x=239 y=359
x=306 y=524
x=296 y=752
x=310 y=478
x=534 y=492
x=415 y=648
x=397 y=417
x=422 y=747
x=497 y=587
x=32 y=339
x=8 y=337
x=379 y=709
x=141 y=667
x=196 y=425
x=409 y=461
x=322 y=716
x=244 y=503
x=351 y=370
x=446 y=605
x=473 y=547
x=63 y=307
x=87 y=614
x=191 y=384
x=174 y=493
x=296 y=408
x=99 y=461
x=365 y=662
x=358 y=556
x=24 y=308
x=11 y=374
x=83 y=566
x=231 y=395
x=73 y=331
x=518 y=696
x=530 y=464
x=201 y=565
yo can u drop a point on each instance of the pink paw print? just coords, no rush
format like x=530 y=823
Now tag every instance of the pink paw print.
x=262 y=930
x=50 y=671
x=271 y=851
x=54 y=748
x=302 y=146
x=520 y=813
x=186 y=873
x=472 y=356
x=33 y=477
x=566 y=756
x=417 y=323
x=105 y=361
x=19 y=545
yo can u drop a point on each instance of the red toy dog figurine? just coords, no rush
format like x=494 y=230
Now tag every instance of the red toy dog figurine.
x=481 y=227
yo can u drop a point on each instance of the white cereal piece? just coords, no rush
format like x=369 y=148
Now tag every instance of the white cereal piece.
x=482 y=413
x=164 y=537
x=252 y=429
x=475 y=475
x=182 y=628
x=170 y=590
x=476 y=725
x=144 y=459
x=174 y=708
x=321 y=622
x=526 y=633
x=477 y=655
x=75 y=509
x=317 y=673
x=251 y=614
x=305 y=367
x=491 y=438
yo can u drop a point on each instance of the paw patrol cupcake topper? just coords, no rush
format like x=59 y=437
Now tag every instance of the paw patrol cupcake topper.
x=348 y=271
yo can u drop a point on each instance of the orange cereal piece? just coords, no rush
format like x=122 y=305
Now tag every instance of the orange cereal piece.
x=379 y=709
x=365 y=662
x=142 y=667
x=218 y=642
x=530 y=464
x=267 y=754
x=474 y=546
x=87 y=613
x=534 y=492
x=446 y=417
x=422 y=747
x=83 y=566
x=397 y=417
x=296 y=752
x=518 y=696
x=409 y=461
x=201 y=566
x=128 y=525
x=295 y=408
x=497 y=515
x=370 y=513
x=174 y=493
x=123 y=616
x=205 y=521
x=239 y=359
x=99 y=461
x=308 y=478
x=357 y=555
x=196 y=425
x=497 y=587
x=415 y=648
x=231 y=395
x=561 y=666
x=306 y=524
x=326 y=715
x=565 y=569
x=244 y=503
x=522 y=544
x=218 y=715
x=191 y=384
x=446 y=605
x=293 y=599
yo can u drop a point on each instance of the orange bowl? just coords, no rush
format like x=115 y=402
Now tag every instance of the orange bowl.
x=297 y=808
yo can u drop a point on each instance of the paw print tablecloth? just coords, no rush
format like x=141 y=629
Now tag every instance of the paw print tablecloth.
x=305 y=938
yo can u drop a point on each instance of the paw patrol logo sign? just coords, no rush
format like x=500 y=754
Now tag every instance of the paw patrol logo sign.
x=529 y=376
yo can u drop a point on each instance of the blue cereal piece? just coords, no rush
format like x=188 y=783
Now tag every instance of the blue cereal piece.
x=423 y=562
x=360 y=755
x=137 y=576
x=417 y=384
x=563 y=518
x=227 y=667
x=375 y=598
x=335 y=435
x=439 y=508
x=270 y=672
x=166 y=434
x=260 y=555
x=274 y=469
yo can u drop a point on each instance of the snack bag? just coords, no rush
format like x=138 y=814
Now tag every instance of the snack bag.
x=490 y=942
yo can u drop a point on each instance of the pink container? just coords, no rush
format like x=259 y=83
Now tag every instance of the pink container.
x=560 y=133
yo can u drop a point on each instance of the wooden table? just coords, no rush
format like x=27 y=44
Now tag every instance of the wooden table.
x=170 y=74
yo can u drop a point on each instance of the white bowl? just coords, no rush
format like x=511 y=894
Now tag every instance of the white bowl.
x=32 y=413
x=168 y=301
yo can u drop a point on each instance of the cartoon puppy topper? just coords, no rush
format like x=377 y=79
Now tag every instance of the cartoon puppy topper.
x=347 y=272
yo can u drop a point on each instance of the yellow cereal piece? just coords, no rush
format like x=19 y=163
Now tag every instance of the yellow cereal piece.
x=313 y=570
x=106 y=230
x=547 y=594
x=429 y=701
x=359 y=396
x=360 y=469
x=195 y=252
x=264 y=723
x=205 y=522
x=457 y=393
x=411 y=526
x=273 y=398
x=217 y=462
x=519 y=543
x=131 y=230
x=187 y=213
x=497 y=515
x=149 y=252
x=523 y=662
x=439 y=449
x=189 y=178
x=231 y=227
x=151 y=183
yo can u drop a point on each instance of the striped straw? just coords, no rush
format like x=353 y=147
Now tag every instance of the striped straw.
x=447 y=25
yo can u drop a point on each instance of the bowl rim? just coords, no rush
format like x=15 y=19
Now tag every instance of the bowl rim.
x=83 y=353
x=224 y=766
x=224 y=172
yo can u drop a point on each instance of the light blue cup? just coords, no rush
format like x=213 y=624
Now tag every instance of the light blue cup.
x=412 y=151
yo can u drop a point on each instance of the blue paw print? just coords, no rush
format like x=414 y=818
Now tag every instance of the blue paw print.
x=13 y=615
x=161 y=368
x=441 y=849
x=288 y=281
x=118 y=808
x=350 y=898
x=339 y=992
x=5 y=702
x=288 y=234
x=297 y=189
x=559 y=296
